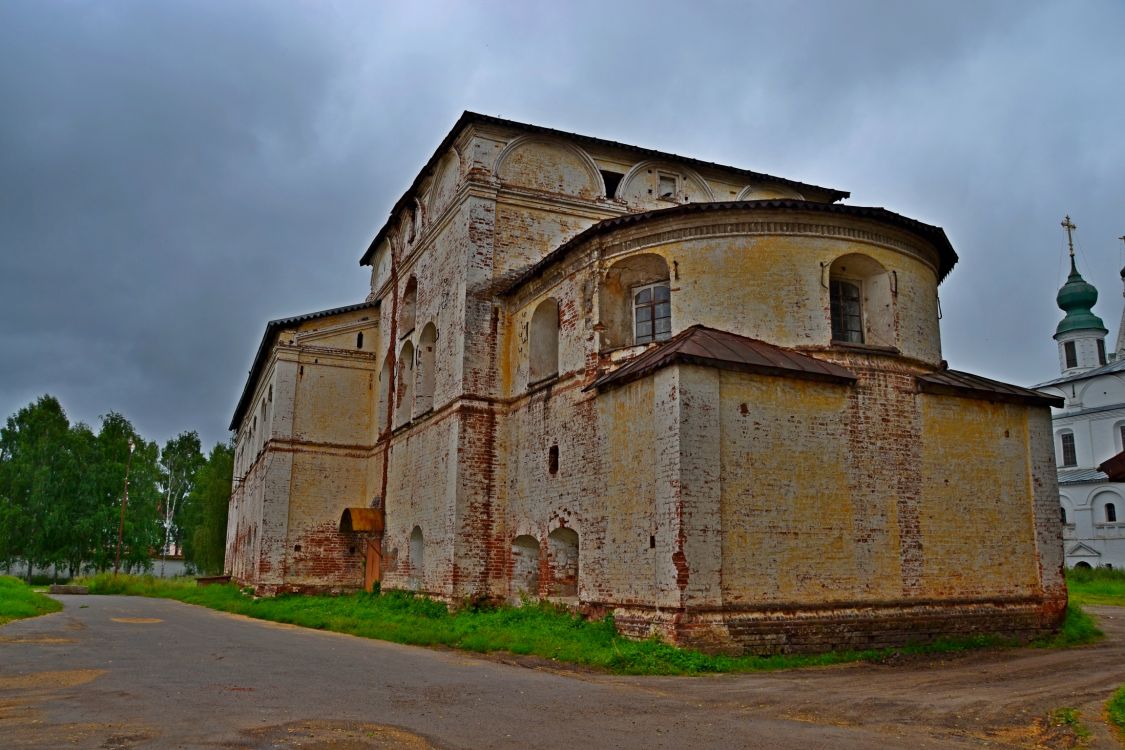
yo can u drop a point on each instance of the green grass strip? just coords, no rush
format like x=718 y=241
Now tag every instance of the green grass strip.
x=17 y=601
x=1115 y=711
x=1098 y=586
x=542 y=630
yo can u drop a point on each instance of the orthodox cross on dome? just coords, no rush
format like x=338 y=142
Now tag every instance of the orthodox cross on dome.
x=1069 y=226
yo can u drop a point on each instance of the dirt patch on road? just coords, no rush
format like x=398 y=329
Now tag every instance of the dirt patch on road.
x=334 y=735
x=137 y=620
x=49 y=680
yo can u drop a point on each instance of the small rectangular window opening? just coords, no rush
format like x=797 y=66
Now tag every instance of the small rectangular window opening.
x=553 y=459
x=359 y=340
x=652 y=542
x=1101 y=351
x=666 y=187
x=1069 y=454
x=1071 y=354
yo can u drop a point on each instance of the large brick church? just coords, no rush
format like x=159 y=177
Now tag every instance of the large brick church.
x=708 y=400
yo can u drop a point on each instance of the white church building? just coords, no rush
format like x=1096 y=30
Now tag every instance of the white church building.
x=1089 y=429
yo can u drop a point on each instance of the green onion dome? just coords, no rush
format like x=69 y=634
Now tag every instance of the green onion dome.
x=1077 y=298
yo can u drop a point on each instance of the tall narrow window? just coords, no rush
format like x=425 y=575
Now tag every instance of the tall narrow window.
x=652 y=313
x=1110 y=513
x=544 y=343
x=1071 y=354
x=359 y=340
x=1069 y=454
x=1121 y=429
x=553 y=459
x=1101 y=351
x=1062 y=512
x=847 y=318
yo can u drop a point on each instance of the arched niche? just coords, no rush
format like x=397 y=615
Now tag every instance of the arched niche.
x=543 y=344
x=616 y=293
x=769 y=192
x=524 y=582
x=404 y=396
x=562 y=551
x=657 y=184
x=861 y=301
x=426 y=372
x=417 y=559
x=408 y=308
x=385 y=384
x=549 y=166
x=447 y=178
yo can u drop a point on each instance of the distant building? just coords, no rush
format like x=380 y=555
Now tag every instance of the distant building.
x=708 y=400
x=1089 y=429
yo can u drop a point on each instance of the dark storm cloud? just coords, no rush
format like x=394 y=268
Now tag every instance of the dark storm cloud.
x=172 y=175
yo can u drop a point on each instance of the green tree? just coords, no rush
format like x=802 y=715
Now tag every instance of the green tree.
x=35 y=469
x=205 y=511
x=180 y=459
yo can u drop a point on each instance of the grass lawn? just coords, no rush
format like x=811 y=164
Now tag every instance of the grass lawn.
x=541 y=630
x=1115 y=710
x=1096 y=586
x=18 y=600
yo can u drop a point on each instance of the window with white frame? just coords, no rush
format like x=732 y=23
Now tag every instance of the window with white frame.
x=652 y=313
x=1069 y=453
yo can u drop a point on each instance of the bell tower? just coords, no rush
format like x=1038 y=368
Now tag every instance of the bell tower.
x=1080 y=334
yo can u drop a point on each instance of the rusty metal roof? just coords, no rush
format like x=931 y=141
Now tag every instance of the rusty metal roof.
x=1114 y=467
x=468 y=118
x=710 y=347
x=957 y=383
x=272 y=329
x=934 y=235
x=361 y=519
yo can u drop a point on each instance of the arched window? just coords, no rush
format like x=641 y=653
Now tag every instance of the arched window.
x=404 y=395
x=425 y=374
x=1110 y=513
x=1062 y=513
x=381 y=412
x=1082 y=564
x=417 y=559
x=562 y=550
x=525 y=568
x=1068 y=452
x=408 y=307
x=359 y=340
x=861 y=301
x=635 y=301
x=544 y=341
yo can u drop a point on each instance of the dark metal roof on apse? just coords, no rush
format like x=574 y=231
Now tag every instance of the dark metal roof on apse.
x=710 y=347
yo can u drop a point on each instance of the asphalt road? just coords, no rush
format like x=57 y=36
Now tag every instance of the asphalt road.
x=121 y=672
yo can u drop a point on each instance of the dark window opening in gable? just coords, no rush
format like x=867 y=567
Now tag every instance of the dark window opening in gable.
x=1071 y=354
x=612 y=180
x=359 y=340
x=1069 y=454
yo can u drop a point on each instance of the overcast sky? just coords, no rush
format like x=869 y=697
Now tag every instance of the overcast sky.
x=175 y=174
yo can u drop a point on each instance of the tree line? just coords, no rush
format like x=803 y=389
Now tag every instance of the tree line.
x=62 y=486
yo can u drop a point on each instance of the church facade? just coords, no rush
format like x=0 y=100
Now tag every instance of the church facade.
x=1089 y=428
x=708 y=400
